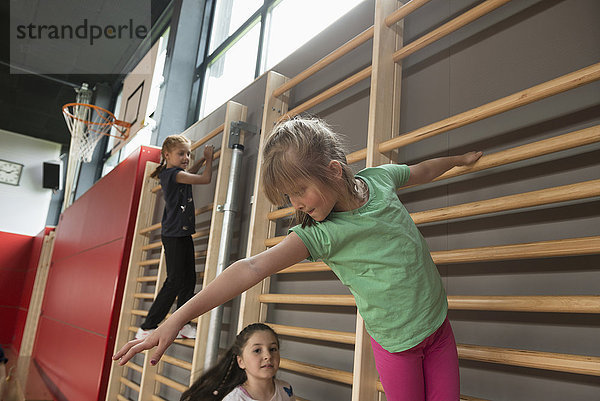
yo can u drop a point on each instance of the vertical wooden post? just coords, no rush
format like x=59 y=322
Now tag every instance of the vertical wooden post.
x=260 y=227
x=35 y=309
x=147 y=381
x=234 y=112
x=384 y=101
x=144 y=219
x=383 y=124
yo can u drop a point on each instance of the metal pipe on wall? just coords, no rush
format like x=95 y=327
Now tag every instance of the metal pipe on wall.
x=229 y=209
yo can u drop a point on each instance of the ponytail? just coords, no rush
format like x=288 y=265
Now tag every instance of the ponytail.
x=158 y=169
x=217 y=382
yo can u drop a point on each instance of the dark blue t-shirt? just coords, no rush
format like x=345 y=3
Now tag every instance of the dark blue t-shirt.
x=178 y=218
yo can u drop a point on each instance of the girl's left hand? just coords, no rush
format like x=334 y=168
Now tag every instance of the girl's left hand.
x=161 y=338
x=208 y=152
x=469 y=158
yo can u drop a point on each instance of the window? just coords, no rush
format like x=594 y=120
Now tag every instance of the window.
x=229 y=16
x=248 y=37
x=292 y=23
x=231 y=70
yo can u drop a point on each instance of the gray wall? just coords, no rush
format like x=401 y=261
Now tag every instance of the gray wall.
x=522 y=44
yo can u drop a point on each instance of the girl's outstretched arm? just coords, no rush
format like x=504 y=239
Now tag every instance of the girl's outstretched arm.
x=427 y=170
x=190 y=176
x=234 y=280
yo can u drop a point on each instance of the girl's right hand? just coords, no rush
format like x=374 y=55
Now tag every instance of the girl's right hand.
x=208 y=152
x=161 y=338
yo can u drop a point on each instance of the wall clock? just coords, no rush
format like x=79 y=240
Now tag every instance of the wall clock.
x=10 y=172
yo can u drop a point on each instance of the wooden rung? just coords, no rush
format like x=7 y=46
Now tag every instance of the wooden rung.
x=352 y=44
x=157 y=398
x=322 y=372
x=149 y=262
x=509 y=303
x=555 y=144
x=558 y=85
x=146 y=279
x=269 y=242
x=152 y=245
x=469 y=398
x=186 y=342
x=580 y=364
x=129 y=384
x=542 y=249
x=280 y=213
x=201 y=233
x=534 y=303
x=314 y=334
x=150 y=228
x=325 y=61
x=203 y=209
x=308 y=299
x=403 y=11
x=158 y=244
x=156 y=226
x=334 y=90
x=206 y=137
x=531 y=250
x=582 y=190
x=449 y=27
x=336 y=375
x=177 y=362
x=171 y=383
x=143 y=295
x=121 y=398
x=200 y=254
x=139 y=312
x=306 y=267
x=133 y=366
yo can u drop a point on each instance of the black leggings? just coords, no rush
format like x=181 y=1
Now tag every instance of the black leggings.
x=180 y=282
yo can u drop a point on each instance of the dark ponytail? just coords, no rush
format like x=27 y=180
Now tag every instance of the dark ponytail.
x=158 y=168
x=226 y=375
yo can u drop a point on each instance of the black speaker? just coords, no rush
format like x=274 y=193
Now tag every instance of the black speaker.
x=52 y=175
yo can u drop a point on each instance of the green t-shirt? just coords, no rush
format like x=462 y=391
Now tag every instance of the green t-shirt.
x=378 y=252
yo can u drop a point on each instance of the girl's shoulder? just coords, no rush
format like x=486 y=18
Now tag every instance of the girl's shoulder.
x=397 y=174
x=167 y=175
x=284 y=389
x=170 y=170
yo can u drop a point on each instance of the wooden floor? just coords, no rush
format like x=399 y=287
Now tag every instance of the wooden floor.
x=35 y=388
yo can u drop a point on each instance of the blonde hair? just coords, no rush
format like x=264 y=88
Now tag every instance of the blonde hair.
x=300 y=149
x=170 y=142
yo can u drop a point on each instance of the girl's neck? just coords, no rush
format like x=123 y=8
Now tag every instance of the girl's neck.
x=355 y=200
x=262 y=390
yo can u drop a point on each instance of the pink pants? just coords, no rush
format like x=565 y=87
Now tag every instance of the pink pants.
x=428 y=371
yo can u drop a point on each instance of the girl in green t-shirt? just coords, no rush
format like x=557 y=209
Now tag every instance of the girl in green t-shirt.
x=357 y=225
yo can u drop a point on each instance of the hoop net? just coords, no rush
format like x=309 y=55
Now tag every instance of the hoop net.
x=87 y=123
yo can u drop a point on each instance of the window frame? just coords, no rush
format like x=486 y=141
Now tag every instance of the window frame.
x=205 y=59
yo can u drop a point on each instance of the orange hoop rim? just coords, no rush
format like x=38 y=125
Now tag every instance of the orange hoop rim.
x=109 y=120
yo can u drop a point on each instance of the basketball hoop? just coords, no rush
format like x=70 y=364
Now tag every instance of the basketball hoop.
x=87 y=123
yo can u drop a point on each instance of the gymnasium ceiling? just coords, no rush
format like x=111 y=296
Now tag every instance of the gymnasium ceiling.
x=31 y=104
